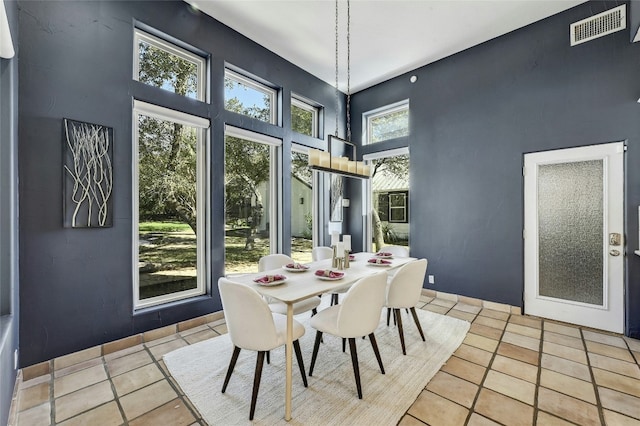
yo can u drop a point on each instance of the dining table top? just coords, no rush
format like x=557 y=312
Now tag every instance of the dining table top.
x=300 y=285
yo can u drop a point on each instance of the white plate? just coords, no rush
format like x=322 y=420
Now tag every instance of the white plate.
x=379 y=256
x=272 y=283
x=323 y=278
x=378 y=264
x=295 y=269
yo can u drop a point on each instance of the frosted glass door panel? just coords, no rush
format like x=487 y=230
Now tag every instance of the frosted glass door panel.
x=570 y=220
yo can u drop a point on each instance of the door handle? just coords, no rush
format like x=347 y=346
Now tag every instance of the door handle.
x=614 y=252
x=615 y=239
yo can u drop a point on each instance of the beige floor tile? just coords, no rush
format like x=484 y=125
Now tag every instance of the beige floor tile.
x=220 y=329
x=77 y=367
x=82 y=400
x=408 y=420
x=464 y=369
x=491 y=313
x=121 y=344
x=566 y=352
x=35 y=381
x=502 y=307
x=606 y=339
x=438 y=411
x=617 y=382
x=473 y=354
x=610 y=351
x=615 y=365
x=564 y=340
x=568 y=385
x=147 y=399
x=174 y=413
x=567 y=407
x=472 y=309
x=510 y=386
x=453 y=388
x=466 y=316
x=160 y=350
x=33 y=396
x=136 y=379
x=481 y=342
x=565 y=329
x=565 y=366
x=426 y=299
x=611 y=418
x=515 y=368
x=470 y=301
x=191 y=323
x=519 y=353
x=436 y=308
x=193 y=330
x=483 y=330
x=524 y=330
x=490 y=322
x=78 y=380
x=620 y=402
x=36 y=370
x=123 y=352
x=634 y=344
x=161 y=340
x=104 y=415
x=159 y=333
x=503 y=409
x=546 y=419
x=200 y=336
x=443 y=302
x=477 y=420
x=520 y=340
x=77 y=357
x=128 y=362
x=38 y=415
x=526 y=321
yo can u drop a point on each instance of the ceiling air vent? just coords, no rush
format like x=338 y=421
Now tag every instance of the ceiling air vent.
x=599 y=25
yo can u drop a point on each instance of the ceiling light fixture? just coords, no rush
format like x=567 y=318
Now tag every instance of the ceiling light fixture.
x=323 y=160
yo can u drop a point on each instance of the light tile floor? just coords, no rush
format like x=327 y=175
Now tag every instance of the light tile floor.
x=510 y=370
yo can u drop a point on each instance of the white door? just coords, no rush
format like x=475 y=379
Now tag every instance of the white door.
x=574 y=252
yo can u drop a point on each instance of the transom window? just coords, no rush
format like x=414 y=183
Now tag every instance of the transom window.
x=304 y=117
x=388 y=122
x=249 y=97
x=162 y=64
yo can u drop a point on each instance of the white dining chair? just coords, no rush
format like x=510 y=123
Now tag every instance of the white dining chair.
x=404 y=292
x=357 y=316
x=252 y=326
x=275 y=261
x=322 y=253
x=397 y=251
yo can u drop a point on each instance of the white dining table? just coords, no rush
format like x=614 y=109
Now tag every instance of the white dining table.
x=303 y=285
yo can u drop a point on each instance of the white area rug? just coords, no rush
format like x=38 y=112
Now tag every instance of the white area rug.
x=331 y=398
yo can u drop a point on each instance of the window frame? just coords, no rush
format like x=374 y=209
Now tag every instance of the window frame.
x=300 y=102
x=271 y=92
x=173 y=49
x=404 y=208
x=203 y=202
x=369 y=116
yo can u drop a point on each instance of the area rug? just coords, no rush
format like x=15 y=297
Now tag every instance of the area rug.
x=331 y=398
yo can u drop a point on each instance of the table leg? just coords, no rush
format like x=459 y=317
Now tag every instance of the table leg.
x=289 y=363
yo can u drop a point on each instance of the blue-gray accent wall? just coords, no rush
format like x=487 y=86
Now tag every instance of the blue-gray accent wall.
x=475 y=114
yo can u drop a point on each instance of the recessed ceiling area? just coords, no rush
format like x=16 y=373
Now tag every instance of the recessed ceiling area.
x=388 y=37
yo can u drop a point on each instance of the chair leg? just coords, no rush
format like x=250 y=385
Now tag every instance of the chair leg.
x=296 y=347
x=374 y=345
x=388 y=315
x=316 y=346
x=232 y=364
x=399 y=319
x=344 y=342
x=256 y=383
x=268 y=357
x=334 y=299
x=415 y=319
x=354 y=361
x=314 y=311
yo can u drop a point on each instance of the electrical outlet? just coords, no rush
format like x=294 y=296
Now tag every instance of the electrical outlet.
x=432 y=279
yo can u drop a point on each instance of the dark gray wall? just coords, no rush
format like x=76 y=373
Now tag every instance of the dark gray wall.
x=76 y=62
x=473 y=117
x=9 y=288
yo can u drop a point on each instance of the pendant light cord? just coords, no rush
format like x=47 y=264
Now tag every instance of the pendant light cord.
x=348 y=108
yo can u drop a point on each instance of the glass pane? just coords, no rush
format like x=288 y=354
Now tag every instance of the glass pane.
x=570 y=220
x=389 y=126
x=302 y=120
x=167 y=198
x=301 y=208
x=390 y=174
x=247 y=204
x=247 y=100
x=160 y=68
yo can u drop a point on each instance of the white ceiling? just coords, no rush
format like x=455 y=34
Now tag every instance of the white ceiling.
x=388 y=37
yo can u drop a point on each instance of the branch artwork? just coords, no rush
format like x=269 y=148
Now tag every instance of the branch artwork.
x=88 y=175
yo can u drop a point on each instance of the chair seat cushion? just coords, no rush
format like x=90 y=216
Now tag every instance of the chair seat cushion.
x=326 y=320
x=298 y=307
x=281 y=330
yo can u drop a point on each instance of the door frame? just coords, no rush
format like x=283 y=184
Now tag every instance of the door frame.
x=613 y=297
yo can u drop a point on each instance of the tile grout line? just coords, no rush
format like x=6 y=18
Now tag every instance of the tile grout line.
x=593 y=378
x=540 y=353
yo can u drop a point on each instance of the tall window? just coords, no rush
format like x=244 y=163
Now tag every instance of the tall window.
x=389 y=122
x=162 y=64
x=170 y=205
x=302 y=205
x=251 y=198
x=249 y=97
x=304 y=117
